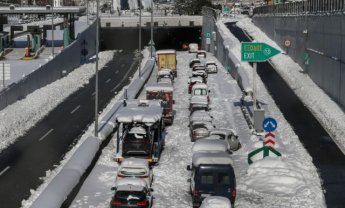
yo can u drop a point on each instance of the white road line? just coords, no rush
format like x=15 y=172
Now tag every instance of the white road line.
x=115 y=87
x=75 y=109
x=4 y=170
x=108 y=80
x=94 y=93
x=46 y=134
x=117 y=71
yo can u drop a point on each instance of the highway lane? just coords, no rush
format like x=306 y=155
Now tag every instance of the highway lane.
x=24 y=162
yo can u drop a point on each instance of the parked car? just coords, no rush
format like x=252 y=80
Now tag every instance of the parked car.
x=199 y=129
x=230 y=136
x=210 y=144
x=216 y=202
x=198 y=67
x=135 y=168
x=211 y=67
x=201 y=90
x=194 y=61
x=202 y=74
x=198 y=107
x=193 y=47
x=201 y=54
x=198 y=101
x=201 y=115
x=212 y=174
x=165 y=76
x=131 y=192
x=192 y=81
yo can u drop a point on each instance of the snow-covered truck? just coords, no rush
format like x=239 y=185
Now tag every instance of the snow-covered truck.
x=140 y=130
x=166 y=59
x=164 y=92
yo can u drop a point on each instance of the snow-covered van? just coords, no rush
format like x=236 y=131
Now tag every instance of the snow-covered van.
x=212 y=174
x=164 y=92
x=140 y=132
x=166 y=59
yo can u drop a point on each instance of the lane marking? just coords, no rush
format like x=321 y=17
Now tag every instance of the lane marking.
x=4 y=170
x=46 y=134
x=117 y=71
x=75 y=109
x=94 y=93
x=108 y=80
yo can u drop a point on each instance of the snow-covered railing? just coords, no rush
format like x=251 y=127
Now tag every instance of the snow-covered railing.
x=62 y=185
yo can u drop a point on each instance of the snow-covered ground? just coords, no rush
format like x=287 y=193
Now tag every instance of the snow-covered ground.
x=329 y=114
x=290 y=181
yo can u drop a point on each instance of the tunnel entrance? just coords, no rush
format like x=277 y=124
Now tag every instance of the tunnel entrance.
x=327 y=157
x=164 y=38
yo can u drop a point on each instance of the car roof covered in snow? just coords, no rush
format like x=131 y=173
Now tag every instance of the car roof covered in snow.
x=195 y=79
x=216 y=202
x=223 y=131
x=200 y=116
x=165 y=51
x=209 y=158
x=210 y=62
x=140 y=111
x=164 y=71
x=196 y=99
x=134 y=162
x=209 y=145
x=135 y=183
x=163 y=86
x=200 y=85
x=207 y=124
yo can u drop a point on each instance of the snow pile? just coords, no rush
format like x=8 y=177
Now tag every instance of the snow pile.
x=18 y=118
x=329 y=114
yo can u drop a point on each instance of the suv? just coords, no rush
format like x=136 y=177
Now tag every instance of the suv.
x=135 y=168
x=212 y=174
x=131 y=192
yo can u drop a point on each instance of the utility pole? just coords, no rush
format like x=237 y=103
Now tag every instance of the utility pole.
x=52 y=28
x=139 y=38
x=96 y=84
x=151 y=52
x=87 y=12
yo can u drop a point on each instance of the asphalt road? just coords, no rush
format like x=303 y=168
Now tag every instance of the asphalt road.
x=23 y=163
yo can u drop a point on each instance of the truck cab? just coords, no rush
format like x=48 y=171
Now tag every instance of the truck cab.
x=212 y=174
x=164 y=92
x=140 y=132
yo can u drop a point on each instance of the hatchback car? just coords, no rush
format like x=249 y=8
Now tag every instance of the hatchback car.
x=199 y=129
x=135 y=168
x=131 y=192
x=230 y=136
x=192 y=81
x=211 y=67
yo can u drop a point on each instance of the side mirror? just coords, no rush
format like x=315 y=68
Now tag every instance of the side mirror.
x=113 y=188
x=189 y=167
x=188 y=180
x=151 y=189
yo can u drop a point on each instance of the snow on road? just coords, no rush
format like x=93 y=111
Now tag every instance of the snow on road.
x=328 y=113
x=294 y=180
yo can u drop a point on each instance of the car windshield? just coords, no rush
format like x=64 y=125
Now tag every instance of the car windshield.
x=132 y=171
x=199 y=126
x=130 y=196
x=200 y=92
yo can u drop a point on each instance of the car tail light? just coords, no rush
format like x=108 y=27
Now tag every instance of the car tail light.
x=142 y=203
x=115 y=202
x=233 y=194
x=196 y=194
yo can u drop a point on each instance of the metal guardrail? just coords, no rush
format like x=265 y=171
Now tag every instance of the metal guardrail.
x=303 y=8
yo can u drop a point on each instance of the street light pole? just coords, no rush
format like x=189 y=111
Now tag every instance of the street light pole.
x=96 y=84
x=151 y=29
x=87 y=12
x=52 y=28
x=140 y=38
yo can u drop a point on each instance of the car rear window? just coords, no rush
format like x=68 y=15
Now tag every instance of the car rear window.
x=223 y=178
x=129 y=171
x=207 y=178
x=200 y=92
x=130 y=196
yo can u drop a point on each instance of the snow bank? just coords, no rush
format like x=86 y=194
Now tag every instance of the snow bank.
x=18 y=118
x=328 y=113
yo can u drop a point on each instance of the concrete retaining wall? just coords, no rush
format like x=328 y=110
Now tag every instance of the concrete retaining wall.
x=322 y=38
x=60 y=66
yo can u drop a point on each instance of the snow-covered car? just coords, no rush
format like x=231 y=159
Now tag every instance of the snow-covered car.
x=198 y=107
x=165 y=76
x=193 y=47
x=211 y=67
x=198 y=101
x=230 y=136
x=192 y=81
x=135 y=168
x=200 y=90
x=201 y=54
x=197 y=67
x=193 y=62
x=200 y=116
x=210 y=144
x=200 y=73
x=199 y=129
x=216 y=202
x=212 y=174
x=131 y=192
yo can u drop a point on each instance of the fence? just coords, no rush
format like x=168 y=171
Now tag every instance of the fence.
x=71 y=57
x=303 y=8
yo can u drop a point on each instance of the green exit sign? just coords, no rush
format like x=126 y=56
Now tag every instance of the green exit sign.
x=257 y=52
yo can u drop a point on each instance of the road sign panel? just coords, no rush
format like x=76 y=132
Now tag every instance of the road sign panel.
x=262 y=153
x=208 y=35
x=208 y=40
x=257 y=52
x=269 y=124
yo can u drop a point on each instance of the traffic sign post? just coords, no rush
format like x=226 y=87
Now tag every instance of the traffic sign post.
x=6 y=73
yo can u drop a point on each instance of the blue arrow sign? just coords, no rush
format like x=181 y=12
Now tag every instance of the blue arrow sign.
x=269 y=124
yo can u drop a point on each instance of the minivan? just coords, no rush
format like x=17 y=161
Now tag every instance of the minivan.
x=212 y=174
